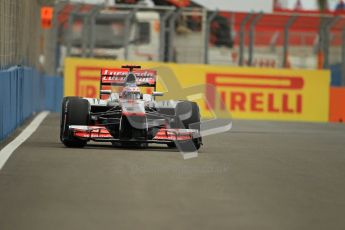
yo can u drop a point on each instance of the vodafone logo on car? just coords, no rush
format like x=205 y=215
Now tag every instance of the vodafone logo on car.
x=119 y=75
x=124 y=72
x=110 y=79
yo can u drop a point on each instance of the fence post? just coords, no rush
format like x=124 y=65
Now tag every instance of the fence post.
x=85 y=30
x=343 y=59
x=69 y=34
x=286 y=40
x=327 y=40
x=320 y=48
x=55 y=41
x=251 y=38
x=92 y=33
x=209 y=20
x=171 y=50
x=242 y=33
x=92 y=21
x=128 y=21
x=70 y=22
x=163 y=34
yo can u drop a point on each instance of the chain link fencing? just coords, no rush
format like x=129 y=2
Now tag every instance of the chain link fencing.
x=19 y=33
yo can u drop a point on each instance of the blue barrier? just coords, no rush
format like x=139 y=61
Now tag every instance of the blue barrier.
x=336 y=75
x=53 y=93
x=23 y=92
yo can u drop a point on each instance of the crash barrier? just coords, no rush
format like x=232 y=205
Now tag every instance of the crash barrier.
x=337 y=104
x=248 y=93
x=336 y=75
x=53 y=93
x=23 y=91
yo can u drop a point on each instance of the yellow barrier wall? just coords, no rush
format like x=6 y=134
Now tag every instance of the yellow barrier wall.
x=249 y=93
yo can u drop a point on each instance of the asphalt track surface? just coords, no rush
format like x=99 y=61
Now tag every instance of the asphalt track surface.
x=260 y=175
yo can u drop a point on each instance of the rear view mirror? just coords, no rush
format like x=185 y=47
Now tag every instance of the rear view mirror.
x=157 y=94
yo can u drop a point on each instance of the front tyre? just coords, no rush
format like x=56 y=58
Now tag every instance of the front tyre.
x=187 y=117
x=75 y=111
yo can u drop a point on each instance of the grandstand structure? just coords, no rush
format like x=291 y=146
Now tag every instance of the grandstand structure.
x=291 y=38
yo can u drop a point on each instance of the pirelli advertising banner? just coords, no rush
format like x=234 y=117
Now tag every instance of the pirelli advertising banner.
x=240 y=92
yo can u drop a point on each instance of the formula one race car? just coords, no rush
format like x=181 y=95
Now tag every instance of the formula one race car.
x=128 y=117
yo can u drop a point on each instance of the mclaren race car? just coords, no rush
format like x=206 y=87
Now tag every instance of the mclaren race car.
x=127 y=117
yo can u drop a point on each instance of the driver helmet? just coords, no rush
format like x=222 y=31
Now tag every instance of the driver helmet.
x=131 y=92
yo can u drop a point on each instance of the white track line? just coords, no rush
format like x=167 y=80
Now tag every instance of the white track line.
x=7 y=151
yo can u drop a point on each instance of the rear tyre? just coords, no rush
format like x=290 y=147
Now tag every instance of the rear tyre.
x=116 y=144
x=75 y=111
x=171 y=145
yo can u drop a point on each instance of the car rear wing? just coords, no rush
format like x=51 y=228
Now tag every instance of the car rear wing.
x=117 y=77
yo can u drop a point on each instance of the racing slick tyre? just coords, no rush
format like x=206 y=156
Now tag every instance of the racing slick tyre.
x=75 y=111
x=171 y=145
x=187 y=117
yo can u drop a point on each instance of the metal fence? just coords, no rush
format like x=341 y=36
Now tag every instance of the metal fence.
x=195 y=35
x=188 y=35
x=19 y=33
x=170 y=35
